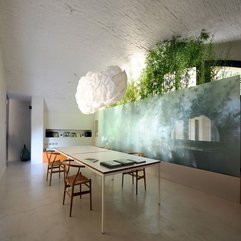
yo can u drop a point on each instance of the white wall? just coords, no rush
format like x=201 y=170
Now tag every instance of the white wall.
x=68 y=120
x=2 y=117
x=19 y=127
x=37 y=129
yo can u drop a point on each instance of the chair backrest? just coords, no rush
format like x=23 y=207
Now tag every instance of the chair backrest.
x=137 y=154
x=71 y=168
x=54 y=156
x=51 y=155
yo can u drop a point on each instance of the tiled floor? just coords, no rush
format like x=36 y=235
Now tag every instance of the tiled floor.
x=30 y=210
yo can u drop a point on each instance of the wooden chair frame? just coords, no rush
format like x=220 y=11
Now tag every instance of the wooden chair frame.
x=54 y=165
x=73 y=180
x=137 y=174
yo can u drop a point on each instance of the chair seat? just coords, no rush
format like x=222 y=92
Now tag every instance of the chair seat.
x=55 y=164
x=80 y=179
x=137 y=174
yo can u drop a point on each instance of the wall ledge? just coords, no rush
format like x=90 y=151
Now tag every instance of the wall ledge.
x=220 y=185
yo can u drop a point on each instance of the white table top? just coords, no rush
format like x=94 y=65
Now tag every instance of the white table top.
x=103 y=155
x=80 y=149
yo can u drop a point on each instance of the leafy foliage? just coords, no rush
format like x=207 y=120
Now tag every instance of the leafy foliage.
x=131 y=95
x=168 y=67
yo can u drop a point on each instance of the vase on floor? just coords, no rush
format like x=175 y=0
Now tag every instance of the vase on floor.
x=25 y=154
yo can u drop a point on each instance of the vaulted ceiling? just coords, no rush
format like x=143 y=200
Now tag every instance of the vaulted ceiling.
x=48 y=45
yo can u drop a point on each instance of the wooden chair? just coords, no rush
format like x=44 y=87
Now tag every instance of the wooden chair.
x=54 y=165
x=73 y=178
x=138 y=174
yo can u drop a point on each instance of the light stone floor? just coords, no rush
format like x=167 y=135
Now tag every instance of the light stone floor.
x=30 y=210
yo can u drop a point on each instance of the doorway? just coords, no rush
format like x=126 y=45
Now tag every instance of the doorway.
x=18 y=127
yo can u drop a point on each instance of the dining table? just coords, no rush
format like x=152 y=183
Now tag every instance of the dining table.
x=107 y=162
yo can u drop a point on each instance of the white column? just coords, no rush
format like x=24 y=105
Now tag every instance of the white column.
x=37 y=129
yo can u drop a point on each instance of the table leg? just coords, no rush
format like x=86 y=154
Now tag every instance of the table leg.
x=103 y=205
x=159 y=183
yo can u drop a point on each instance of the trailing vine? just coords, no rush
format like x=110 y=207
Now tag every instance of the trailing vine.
x=168 y=67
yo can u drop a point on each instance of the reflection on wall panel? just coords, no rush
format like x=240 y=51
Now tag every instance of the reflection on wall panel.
x=200 y=129
x=179 y=130
x=197 y=127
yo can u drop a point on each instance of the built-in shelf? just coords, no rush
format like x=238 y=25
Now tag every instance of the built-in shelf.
x=50 y=133
x=67 y=137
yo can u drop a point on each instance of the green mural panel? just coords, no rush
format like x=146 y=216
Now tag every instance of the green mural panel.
x=197 y=127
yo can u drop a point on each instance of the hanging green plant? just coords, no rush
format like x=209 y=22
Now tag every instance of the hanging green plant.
x=131 y=95
x=168 y=67
x=168 y=64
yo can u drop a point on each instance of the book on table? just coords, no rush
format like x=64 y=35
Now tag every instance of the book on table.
x=110 y=164
x=139 y=161
x=120 y=162
x=125 y=162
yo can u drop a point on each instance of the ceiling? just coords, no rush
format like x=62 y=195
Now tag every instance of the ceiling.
x=48 y=45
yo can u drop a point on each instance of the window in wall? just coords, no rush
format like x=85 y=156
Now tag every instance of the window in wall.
x=225 y=69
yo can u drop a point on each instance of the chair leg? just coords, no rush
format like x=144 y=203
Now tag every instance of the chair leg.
x=144 y=174
x=136 y=182
x=80 y=189
x=90 y=196
x=64 y=193
x=132 y=177
x=71 y=201
x=50 y=178
x=47 y=174
x=122 y=180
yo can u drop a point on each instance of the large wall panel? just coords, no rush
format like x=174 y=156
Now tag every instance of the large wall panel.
x=197 y=127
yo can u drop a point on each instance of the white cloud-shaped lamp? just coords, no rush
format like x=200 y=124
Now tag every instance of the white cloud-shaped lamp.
x=96 y=90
